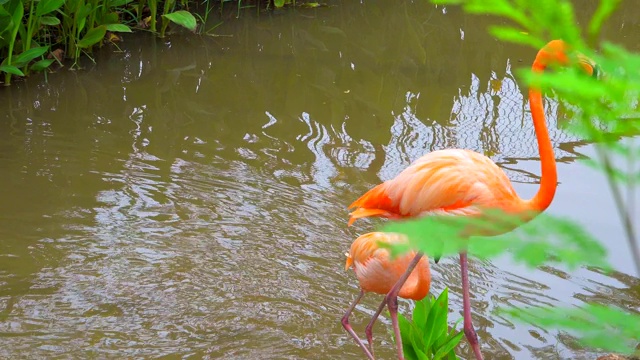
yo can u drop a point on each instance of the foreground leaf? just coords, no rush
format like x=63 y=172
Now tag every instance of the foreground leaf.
x=604 y=327
x=546 y=239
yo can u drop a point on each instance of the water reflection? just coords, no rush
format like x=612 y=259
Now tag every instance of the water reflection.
x=187 y=198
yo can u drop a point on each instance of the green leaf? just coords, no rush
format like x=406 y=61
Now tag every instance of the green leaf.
x=92 y=37
x=416 y=339
x=27 y=56
x=5 y=20
x=81 y=23
x=49 y=20
x=406 y=329
x=16 y=17
x=42 y=64
x=81 y=17
x=182 y=18
x=118 y=28
x=46 y=6
x=420 y=315
x=109 y=18
x=409 y=352
x=278 y=3
x=11 y=69
x=83 y=11
x=421 y=355
x=440 y=341
x=437 y=319
x=448 y=347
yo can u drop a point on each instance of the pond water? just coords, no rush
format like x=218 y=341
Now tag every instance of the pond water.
x=186 y=197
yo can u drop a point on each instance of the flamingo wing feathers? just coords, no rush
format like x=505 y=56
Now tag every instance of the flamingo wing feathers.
x=451 y=181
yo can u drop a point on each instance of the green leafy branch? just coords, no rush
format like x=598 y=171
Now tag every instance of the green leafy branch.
x=547 y=239
x=605 y=327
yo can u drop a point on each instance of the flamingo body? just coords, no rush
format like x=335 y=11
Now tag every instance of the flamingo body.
x=377 y=273
x=450 y=181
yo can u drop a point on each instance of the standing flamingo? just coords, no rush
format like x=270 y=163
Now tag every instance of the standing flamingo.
x=377 y=273
x=461 y=183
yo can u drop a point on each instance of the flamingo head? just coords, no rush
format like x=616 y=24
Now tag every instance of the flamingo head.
x=349 y=262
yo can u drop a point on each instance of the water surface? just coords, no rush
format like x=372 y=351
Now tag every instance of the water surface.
x=185 y=197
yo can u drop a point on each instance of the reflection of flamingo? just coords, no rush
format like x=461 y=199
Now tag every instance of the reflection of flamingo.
x=377 y=273
x=462 y=182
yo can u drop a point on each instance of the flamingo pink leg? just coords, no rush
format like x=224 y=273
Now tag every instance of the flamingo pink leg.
x=392 y=300
x=369 y=329
x=469 y=331
x=347 y=326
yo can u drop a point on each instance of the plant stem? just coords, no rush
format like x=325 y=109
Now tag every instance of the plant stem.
x=622 y=209
x=153 y=6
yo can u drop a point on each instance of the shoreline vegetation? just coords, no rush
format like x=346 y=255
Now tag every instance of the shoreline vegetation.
x=37 y=35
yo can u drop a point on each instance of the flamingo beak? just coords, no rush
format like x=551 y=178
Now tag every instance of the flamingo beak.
x=349 y=262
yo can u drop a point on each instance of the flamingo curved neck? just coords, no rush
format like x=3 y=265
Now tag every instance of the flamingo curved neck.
x=549 y=176
x=419 y=287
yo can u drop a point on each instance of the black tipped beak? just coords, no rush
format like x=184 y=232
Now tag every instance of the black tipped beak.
x=436 y=259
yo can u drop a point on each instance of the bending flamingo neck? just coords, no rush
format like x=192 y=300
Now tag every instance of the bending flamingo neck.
x=420 y=288
x=549 y=177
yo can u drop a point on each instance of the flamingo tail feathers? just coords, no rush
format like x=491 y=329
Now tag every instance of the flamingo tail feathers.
x=375 y=202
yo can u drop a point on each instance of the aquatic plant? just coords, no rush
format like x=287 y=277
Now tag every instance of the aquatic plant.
x=427 y=335
x=34 y=34
x=607 y=100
